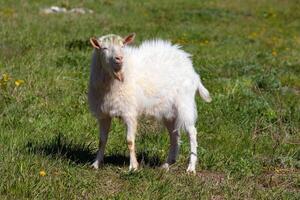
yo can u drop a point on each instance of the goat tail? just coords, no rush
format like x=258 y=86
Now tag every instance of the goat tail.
x=203 y=92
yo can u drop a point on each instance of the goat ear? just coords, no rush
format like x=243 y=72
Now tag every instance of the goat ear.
x=129 y=39
x=95 y=43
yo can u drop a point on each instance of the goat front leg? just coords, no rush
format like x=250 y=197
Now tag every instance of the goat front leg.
x=131 y=124
x=104 y=129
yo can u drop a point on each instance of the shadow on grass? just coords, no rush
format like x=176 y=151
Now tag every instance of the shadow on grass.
x=60 y=147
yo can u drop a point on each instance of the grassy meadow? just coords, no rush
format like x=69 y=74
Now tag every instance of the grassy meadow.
x=247 y=53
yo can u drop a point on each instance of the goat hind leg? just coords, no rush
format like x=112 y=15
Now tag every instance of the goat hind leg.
x=174 y=146
x=192 y=133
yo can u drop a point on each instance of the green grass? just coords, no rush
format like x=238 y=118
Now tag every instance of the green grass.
x=248 y=55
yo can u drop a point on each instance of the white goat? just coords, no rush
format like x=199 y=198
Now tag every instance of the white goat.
x=155 y=79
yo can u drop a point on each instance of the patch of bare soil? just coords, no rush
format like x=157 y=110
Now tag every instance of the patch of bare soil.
x=284 y=178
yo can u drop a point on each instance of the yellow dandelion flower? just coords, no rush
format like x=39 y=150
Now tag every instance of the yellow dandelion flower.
x=19 y=82
x=274 y=53
x=253 y=34
x=42 y=173
x=5 y=77
x=206 y=41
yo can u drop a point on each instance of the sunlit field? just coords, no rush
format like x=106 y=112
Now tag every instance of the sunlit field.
x=248 y=56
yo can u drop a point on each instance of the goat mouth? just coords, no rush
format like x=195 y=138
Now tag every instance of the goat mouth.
x=119 y=75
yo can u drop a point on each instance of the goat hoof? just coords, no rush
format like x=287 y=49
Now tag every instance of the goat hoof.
x=191 y=170
x=96 y=164
x=133 y=167
x=165 y=166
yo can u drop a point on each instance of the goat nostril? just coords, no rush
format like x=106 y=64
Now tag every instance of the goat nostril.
x=119 y=58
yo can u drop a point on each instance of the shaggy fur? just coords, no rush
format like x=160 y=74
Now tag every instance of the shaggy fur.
x=159 y=81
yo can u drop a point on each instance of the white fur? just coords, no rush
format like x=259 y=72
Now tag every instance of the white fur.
x=159 y=81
